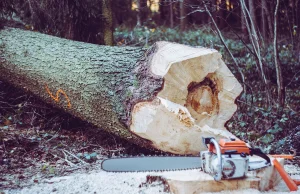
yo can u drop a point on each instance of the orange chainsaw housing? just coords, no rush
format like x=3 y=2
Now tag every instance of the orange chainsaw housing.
x=227 y=145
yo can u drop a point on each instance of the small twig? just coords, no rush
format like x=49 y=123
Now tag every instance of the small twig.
x=75 y=157
x=292 y=79
x=94 y=145
x=117 y=150
x=70 y=163
x=83 y=148
x=54 y=136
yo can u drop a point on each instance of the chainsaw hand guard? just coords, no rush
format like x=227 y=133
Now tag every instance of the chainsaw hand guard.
x=218 y=175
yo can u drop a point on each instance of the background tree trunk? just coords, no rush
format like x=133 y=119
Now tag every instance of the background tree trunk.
x=252 y=15
x=263 y=23
x=213 y=9
x=265 y=7
x=138 y=15
x=163 y=10
x=108 y=22
x=243 y=22
x=171 y=15
x=167 y=97
x=221 y=14
x=182 y=15
x=280 y=88
x=144 y=11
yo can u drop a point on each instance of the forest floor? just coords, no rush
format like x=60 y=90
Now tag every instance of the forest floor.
x=69 y=161
x=44 y=150
x=58 y=163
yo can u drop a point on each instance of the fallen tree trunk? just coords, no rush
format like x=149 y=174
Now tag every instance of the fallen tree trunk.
x=167 y=97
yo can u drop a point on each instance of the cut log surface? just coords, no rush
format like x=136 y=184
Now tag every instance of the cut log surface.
x=167 y=97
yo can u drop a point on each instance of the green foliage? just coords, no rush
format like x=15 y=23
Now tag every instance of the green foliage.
x=266 y=128
x=46 y=168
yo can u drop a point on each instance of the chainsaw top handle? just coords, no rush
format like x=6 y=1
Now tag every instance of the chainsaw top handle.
x=258 y=152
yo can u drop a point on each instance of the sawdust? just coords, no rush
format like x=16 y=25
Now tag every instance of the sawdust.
x=102 y=182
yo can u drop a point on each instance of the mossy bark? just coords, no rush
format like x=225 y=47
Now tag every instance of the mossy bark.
x=89 y=81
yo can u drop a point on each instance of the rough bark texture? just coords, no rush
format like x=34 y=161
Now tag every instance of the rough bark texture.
x=171 y=95
x=89 y=81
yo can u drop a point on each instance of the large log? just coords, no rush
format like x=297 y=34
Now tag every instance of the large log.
x=167 y=97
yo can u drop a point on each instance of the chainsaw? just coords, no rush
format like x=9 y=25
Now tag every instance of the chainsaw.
x=226 y=159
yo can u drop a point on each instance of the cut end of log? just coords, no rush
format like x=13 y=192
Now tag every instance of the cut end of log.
x=197 y=99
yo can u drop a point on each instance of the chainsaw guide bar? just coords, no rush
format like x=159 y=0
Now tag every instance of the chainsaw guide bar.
x=152 y=163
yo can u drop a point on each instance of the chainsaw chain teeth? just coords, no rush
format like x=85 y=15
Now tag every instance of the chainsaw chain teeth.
x=148 y=171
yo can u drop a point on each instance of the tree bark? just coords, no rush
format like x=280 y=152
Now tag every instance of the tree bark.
x=171 y=15
x=167 y=97
x=163 y=10
x=182 y=15
x=108 y=22
x=243 y=23
x=138 y=15
x=265 y=7
x=252 y=15
x=263 y=23
x=280 y=88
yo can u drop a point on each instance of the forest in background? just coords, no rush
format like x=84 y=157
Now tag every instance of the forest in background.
x=259 y=40
x=87 y=20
